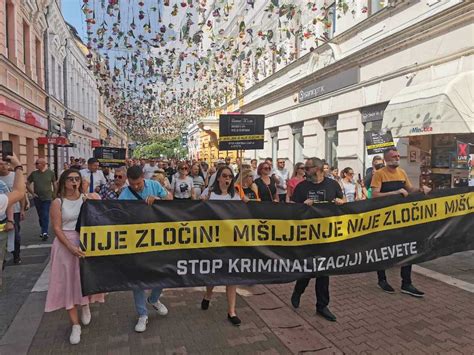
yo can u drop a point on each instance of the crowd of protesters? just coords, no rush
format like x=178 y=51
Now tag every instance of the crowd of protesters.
x=312 y=181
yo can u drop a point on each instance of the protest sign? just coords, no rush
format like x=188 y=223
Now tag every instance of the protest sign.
x=240 y=132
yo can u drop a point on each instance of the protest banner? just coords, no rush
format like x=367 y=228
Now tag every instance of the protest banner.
x=377 y=143
x=240 y=132
x=191 y=243
x=110 y=156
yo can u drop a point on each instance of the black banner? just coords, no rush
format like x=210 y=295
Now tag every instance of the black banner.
x=191 y=243
x=376 y=142
x=240 y=132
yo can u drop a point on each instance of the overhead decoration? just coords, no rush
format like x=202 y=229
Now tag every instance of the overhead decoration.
x=162 y=64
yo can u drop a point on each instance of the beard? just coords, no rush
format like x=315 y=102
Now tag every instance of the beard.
x=393 y=164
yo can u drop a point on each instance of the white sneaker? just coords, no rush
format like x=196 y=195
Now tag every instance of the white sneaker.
x=159 y=307
x=141 y=324
x=86 y=315
x=75 y=337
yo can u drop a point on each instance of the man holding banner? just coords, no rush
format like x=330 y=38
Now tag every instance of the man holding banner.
x=393 y=180
x=316 y=189
x=145 y=190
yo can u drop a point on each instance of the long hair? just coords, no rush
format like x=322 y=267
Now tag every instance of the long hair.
x=216 y=188
x=62 y=182
x=295 y=169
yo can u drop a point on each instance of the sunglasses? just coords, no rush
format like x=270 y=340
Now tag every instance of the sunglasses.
x=183 y=168
x=118 y=177
x=73 y=178
x=225 y=176
x=266 y=168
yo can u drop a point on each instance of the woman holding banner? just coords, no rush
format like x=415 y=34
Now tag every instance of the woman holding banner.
x=223 y=189
x=64 y=289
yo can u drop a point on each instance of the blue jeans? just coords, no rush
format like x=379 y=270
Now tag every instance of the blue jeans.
x=139 y=296
x=42 y=208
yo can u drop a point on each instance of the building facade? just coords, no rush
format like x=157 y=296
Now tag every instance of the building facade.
x=82 y=98
x=111 y=135
x=322 y=103
x=23 y=116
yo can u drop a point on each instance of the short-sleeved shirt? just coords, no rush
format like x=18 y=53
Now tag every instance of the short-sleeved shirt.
x=183 y=188
x=151 y=188
x=98 y=177
x=149 y=170
x=3 y=200
x=198 y=183
x=9 y=181
x=3 y=205
x=43 y=183
x=326 y=191
x=388 y=181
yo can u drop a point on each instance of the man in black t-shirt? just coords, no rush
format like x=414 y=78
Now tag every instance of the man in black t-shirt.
x=316 y=189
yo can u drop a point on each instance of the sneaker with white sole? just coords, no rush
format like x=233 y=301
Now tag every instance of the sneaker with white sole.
x=159 y=307
x=86 y=315
x=75 y=337
x=141 y=324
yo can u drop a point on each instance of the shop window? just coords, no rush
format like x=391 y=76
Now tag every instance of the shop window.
x=298 y=143
x=39 y=77
x=330 y=21
x=26 y=48
x=376 y=5
x=53 y=76
x=330 y=127
x=10 y=29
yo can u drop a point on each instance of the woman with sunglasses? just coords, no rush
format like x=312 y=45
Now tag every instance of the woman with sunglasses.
x=266 y=183
x=245 y=186
x=296 y=178
x=64 y=289
x=182 y=186
x=348 y=185
x=223 y=189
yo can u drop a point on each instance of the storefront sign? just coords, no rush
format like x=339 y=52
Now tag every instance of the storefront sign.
x=53 y=140
x=239 y=132
x=17 y=112
x=110 y=157
x=95 y=143
x=377 y=142
x=373 y=113
x=332 y=83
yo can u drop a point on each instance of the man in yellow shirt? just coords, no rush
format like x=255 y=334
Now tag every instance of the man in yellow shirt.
x=387 y=181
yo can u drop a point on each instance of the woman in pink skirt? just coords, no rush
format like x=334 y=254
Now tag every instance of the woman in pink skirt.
x=64 y=289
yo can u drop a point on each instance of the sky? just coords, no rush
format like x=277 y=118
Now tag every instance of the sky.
x=73 y=14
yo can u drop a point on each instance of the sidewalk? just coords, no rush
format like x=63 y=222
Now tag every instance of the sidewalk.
x=369 y=321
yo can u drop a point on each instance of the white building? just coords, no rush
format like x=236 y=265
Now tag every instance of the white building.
x=82 y=98
x=322 y=103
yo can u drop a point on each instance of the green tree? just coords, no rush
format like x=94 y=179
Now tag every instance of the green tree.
x=155 y=149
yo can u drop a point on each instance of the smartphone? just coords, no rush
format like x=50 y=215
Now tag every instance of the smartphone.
x=7 y=149
x=360 y=178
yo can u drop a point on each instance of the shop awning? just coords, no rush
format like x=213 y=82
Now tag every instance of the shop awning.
x=441 y=106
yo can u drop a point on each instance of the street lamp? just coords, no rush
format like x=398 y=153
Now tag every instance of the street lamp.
x=68 y=123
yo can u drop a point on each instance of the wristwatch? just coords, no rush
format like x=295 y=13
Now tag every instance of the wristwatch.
x=10 y=221
x=19 y=167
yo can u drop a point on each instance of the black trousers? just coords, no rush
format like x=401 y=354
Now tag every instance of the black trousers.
x=17 y=219
x=405 y=273
x=282 y=197
x=321 y=286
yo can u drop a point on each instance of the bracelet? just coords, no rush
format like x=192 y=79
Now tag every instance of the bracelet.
x=19 y=167
x=10 y=221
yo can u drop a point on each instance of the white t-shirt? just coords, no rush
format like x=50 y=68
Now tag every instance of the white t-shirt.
x=182 y=187
x=217 y=197
x=149 y=170
x=3 y=204
x=198 y=184
x=8 y=180
x=283 y=176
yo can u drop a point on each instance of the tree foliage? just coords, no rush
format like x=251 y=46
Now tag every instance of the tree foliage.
x=170 y=148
